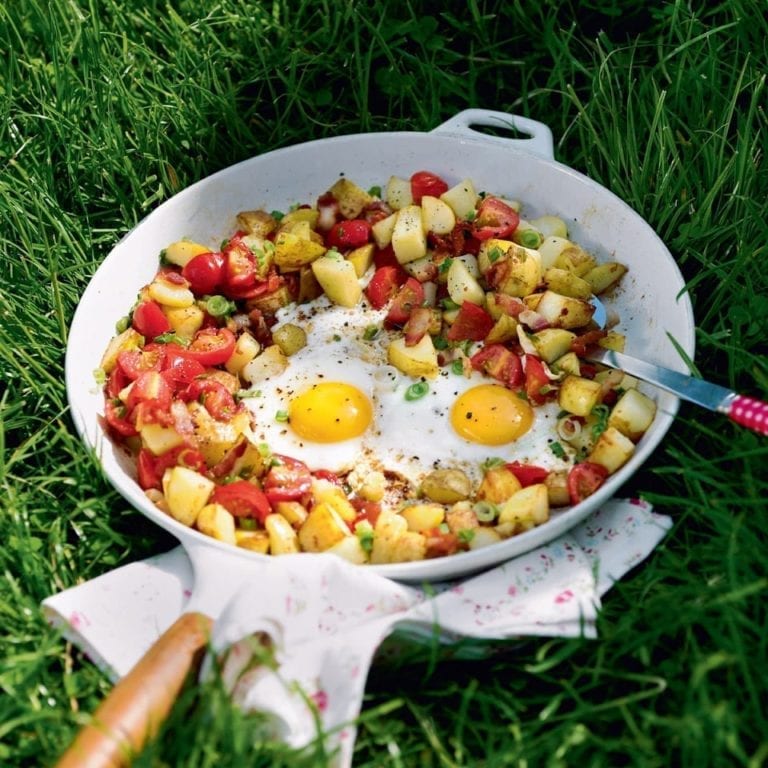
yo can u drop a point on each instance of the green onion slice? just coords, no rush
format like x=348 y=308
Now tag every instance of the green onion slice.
x=416 y=391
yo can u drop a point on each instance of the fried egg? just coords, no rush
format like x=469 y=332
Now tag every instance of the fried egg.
x=339 y=405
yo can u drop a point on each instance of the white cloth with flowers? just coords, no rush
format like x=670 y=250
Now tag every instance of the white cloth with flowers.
x=327 y=620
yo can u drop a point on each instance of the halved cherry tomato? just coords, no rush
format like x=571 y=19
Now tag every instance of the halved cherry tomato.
x=426 y=183
x=216 y=398
x=500 y=363
x=584 y=479
x=287 y=481
x=260 y=287
x=179 y=370
x=239 y=266
x=149 y=320
x=536 y=380
x=150 y=389
x=211 y=346
x=408 y=296
x=527 y=474
x=350 y=233
x=151 y=467
x=383 y=285
x=116 y=416
x=472 y=323
x=205 y=273
x=366 y=510
x=385 y=257
x=133 y=362
x=242 y=499
x=116 y=382
x=495 y=219
x=326 y=474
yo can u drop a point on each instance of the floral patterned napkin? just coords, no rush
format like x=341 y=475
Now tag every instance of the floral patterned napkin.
x=326 y=622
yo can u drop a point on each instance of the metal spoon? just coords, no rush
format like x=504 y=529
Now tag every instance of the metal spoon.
x=746 y=411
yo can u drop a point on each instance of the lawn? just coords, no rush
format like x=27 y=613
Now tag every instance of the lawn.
x=110 y=107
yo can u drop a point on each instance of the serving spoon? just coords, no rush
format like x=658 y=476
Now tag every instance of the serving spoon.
x=741 y=409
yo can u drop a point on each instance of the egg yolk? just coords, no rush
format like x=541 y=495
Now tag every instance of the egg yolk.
x=330 y=412
x=491 y=415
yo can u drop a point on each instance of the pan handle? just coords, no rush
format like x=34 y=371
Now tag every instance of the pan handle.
x=136 y=707
x=540 y=140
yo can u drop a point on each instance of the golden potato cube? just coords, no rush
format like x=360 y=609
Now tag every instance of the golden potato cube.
x=578 y=395
x=550 y=226
x=217 y=522
x=293 y=511
x=491 y=251
x=462 y=198
x=437 y=216
x=483 y=537
x=398 y=193
x=183 y=251
x=633 y=414
x=350 y=549
x=557 y=488
x=564 y=311
x=461 y=517
x=526 y=509
x=504 y=329
x=246 y=349
x=259 y=223
x=170 y=294
x=613 y=340
x=446 y=486
x=123 y=342
x=423 y=517
x=158 y=438
x=604 y=276
x=326 y=492
x=323 y=528
x=290 y=338
x=254 y=541
x=361 y=258
x=215 y=439
x=575 y=259
x=390 y=527
x=186 y=493
x=185 y=322
x=382 y=230
x=462 y=286
x=309 y=215
x=568 y=284
x=551 y=248
x=409 y=240
x=417 y=360
x=351 y=198
x=282 y=538
x=498 y=485
x=516 y=272
x=567 y=363
x=338 y=279
x=309 y=288
x=552 y=343
x=293 y=252
x=612 y=450
x=270 y=362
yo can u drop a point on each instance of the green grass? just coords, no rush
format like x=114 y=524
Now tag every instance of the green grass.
x=108 y=107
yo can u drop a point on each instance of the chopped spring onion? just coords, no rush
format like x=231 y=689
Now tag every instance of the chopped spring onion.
x=218 y=306
x=485 y=511
x=416 y=391
x=529 y=238
x=281 y=416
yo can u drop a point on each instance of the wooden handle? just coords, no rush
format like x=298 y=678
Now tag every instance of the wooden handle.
x=136 y=707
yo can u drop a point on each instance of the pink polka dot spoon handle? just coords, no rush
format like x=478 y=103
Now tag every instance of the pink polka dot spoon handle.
x=749 y=413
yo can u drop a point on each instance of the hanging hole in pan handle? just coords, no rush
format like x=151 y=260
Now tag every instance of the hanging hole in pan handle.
x=501 y=128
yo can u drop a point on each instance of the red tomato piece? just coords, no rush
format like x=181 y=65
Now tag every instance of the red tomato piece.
x=116 y=416
x=133 y=362
x=495 y=219
x=366 y=510
x=260 y=287
x=536 y=380
x=204 y=273
x=180 y=370
x=527 y=474
x=472 y=323
x=149 y=320
x=239 y=266
x=347 y=234
x=383 y=286
x=441 y=544
x=287 y=481
x=326 y=474
x=150 y=389
x=500 y=363
x=408 y=296
x=116 y=382
x=151 y=467
x=242 y=499
x=385 y=257
x=211 y=346
x=584 y=479
x=426 y=183
x=216 y=398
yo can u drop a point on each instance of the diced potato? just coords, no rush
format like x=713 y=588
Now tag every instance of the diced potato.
x=613 y=340
x=263 y=253
x=293 y=252
x=246 y=349
x=504 y=329
x=446 y=486
x=248 y=459
x=462 y=198
x=550 y=226
x=158 y=438
x=437 y=216
x=361 y=258
x=633 y=414
x=183 y=251
x=270 y=302
x=186 y=493
x=170 y=294
x=394 y=543
x=216 y=521
x=423 y=270
x=552 y=343
x=604 y=276
x=382 y=230
x=370 y=486
x=557 y=488
x=578 y=395
x=462 y=286
x=127 y=340
x=498 y=304
x=551 y=249
x=398 y=193
x=409 y=240
x=491 y=251
x=423 y=517
x=516 y=270
x=566 y=283
x=293 y=511
x=351 y=198
x=282 y=538
x=309 y=215
x=290 y=338
x=498 y=485
x=309 y=288
x=185 y=322
x=350 y=549
x=259 y=223
x=254 y=541
x=567 y=363
x=323 y=528
x=564 y=311
x=225 y=378
x=417 y=360
x=575 y=259
x=215 y=439
x=270 y=362
x=612 y=450
x=338 y=279
x=326 y=492
x=461 y=517
x=526 y=509
x=484 y=537
x=300 y=228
